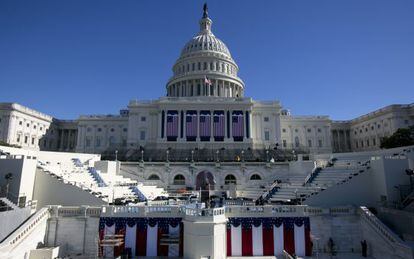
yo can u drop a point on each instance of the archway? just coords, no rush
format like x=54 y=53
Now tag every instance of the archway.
x=230 y=179
x=204 y=183
x=205 y=179
x=179 y=179
x=153 y=177
x=255 y=177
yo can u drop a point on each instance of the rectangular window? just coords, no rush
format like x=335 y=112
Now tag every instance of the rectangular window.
x=199 y=66
x=33 y=141
x=267 y=136
x=25 y=139
x=320 y=143
x=20 y=123
x=309 y=130
x=142 y=135
x=309 y=143
x=143 y=118
x=98 y=142
x=18 y=138
x=283 y=130
x=284 y=143
x=319 y=130
x=266 y=119
x=88 y=142
x=367 y=142
x=374 y=142
x=193 y=66
x=356 y=144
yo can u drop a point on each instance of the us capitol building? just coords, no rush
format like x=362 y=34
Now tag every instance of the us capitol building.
x=204 y=109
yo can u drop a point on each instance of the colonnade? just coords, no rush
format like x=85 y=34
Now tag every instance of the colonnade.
x=217 y=88
x=228 y=124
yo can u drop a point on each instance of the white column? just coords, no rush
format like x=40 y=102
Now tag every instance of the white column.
x=61 y=139
x=250 y=125
x=184 y=125
x=244 y=126
x=165 y=124
x=179 y=125
x=225 y=125
x=198 y=126
x=231 y=125
x=159 y=124
x=211 y=126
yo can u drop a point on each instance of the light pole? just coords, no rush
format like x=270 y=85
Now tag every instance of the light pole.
x=142 y=155
x=267 y=155
x=116 y=155
x=168 y=152
x=293 y=154
x=242 y=155
x=192 y=156
x=217 y=156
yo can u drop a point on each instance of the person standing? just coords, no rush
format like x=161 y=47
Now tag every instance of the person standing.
x=364 y=248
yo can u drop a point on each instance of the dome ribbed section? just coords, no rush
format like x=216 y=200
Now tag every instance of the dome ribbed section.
x=205 y=42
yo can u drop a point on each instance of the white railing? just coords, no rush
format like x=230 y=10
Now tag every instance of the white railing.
x=387 y=234
x=25 y=229
x=205 y=212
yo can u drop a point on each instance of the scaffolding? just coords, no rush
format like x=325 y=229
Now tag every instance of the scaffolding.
x=108 y=244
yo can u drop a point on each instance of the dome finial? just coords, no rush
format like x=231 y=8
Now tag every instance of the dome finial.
x=205 y=10
x=205 y=22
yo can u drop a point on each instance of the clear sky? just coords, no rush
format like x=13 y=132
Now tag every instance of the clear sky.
x=336 y=58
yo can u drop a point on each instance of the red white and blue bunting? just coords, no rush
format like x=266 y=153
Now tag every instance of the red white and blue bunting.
x=142 y=236
x=268 y=236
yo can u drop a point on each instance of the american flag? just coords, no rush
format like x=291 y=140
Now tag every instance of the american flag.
x=237 y=125
x=143 y=236
x=207 y=81
x=205 y=124
x=191 y=124
x=268 y=236
x=218 y=124
x=172 y=124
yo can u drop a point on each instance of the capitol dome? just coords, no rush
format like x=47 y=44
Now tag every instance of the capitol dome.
x=205 y=67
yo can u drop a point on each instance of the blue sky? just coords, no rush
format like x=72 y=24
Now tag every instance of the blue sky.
x=336 y=58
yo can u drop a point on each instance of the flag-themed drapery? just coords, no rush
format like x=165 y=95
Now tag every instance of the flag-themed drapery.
x=172 y=125
x=205 y=125
x=191 y=125
x=143 y=236
x=237 y=125
x=218 y=125
x=268 y=236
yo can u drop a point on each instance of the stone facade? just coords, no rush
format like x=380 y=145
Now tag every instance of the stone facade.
x=204 y=108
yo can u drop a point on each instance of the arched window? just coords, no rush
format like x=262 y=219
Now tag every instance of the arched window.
x=179 y=179
x=153 y=177
x=255 y=177
x=230 y=179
